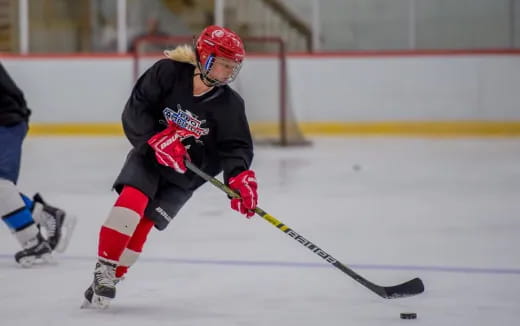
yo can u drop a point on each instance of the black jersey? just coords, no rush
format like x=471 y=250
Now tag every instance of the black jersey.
x=217 y=135
x=13 y=108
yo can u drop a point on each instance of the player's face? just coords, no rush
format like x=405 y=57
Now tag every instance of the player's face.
x=223 y=69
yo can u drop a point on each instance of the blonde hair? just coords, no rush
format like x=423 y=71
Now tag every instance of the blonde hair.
x=182 y=53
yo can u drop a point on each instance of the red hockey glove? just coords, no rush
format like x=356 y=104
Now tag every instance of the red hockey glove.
x=169 y=151
x=245 y=185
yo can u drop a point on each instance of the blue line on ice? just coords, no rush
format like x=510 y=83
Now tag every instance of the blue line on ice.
x=453 y=269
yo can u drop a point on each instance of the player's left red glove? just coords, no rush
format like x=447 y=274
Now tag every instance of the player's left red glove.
x=245 y=185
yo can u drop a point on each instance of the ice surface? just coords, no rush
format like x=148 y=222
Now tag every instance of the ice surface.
x=445 y=210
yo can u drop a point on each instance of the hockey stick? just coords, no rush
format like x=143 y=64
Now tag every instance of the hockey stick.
x=406 y=289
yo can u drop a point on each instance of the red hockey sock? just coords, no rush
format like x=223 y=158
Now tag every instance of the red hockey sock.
x=140 y=234
x=121 y=223
x=135 y=246
x=121 y=270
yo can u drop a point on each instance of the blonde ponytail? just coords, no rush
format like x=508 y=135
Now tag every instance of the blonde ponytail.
x=182 y=53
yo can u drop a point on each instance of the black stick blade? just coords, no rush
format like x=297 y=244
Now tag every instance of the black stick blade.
x=406 y=289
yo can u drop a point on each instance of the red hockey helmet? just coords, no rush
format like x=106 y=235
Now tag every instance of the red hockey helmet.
x=216 y=42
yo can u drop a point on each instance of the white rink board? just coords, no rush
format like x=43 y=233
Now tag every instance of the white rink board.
x=338 y=89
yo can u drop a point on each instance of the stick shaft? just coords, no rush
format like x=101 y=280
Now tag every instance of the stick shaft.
x=379 y=290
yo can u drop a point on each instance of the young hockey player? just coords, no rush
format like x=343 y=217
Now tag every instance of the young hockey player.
x=180 y=109
x=22 y=215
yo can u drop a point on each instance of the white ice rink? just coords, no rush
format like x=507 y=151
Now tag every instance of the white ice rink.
x=445 y=210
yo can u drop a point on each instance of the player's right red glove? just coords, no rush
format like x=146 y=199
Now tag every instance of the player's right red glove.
x=169 y=151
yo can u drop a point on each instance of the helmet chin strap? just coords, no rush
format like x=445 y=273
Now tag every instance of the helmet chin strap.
x=208 y=82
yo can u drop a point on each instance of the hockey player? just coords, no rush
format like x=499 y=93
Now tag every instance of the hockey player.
x=24 y=216
x=180 y=109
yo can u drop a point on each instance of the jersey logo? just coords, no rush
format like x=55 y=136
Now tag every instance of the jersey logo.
x=187 y=121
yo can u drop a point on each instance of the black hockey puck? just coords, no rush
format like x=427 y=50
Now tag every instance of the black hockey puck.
x=408 y=315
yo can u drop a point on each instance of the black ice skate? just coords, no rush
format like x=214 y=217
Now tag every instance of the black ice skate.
x=40 y=252
x=89 y=294
x=103 y=289
x=58 y=225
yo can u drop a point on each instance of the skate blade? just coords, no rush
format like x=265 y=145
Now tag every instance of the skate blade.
x=99 y=302
x=86 y=304
x=67 y=228
x=29 y=261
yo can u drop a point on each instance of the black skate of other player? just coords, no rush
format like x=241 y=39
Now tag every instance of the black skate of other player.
x=57 y=227
x=57 y=224
x=41 y=250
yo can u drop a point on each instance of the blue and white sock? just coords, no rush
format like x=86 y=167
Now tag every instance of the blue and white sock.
x=15 y=212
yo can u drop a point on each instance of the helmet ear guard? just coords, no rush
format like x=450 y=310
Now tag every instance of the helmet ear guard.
x=209 y=62
x=205 y=72
x=204 y=68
